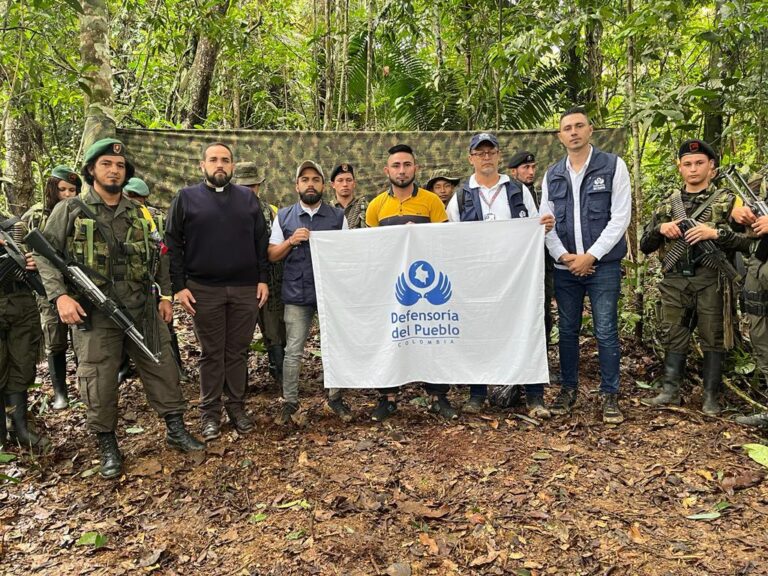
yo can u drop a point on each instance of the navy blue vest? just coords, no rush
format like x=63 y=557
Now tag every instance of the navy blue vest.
x=595 y=203
x=298 y=278
x=471 y=209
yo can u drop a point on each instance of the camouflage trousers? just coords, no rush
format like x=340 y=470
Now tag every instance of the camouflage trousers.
x=19 y=341
x=690 y=302
x=100 y=351
x=756 y=310
x=55 y=332
x=271 y=316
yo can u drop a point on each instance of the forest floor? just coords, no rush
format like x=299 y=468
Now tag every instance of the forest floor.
x=668 y=492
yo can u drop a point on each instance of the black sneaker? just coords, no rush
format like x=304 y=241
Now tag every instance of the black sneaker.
x=441 y=405
x=286 y=413
x=474 y=405
x=564 y=401
x=211 y=429
x=340 y=408
x=384 y=409
x=611 y=412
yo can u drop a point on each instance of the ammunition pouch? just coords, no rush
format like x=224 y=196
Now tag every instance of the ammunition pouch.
x=756 y=303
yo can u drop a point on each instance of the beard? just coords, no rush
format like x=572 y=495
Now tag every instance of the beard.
x=109 y=188
x=310 y=196
x=402 y=182
x=218 y=179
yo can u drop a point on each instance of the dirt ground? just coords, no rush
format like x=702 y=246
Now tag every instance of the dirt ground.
x=490 y=494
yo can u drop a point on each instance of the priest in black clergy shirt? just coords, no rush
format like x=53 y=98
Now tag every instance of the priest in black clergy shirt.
x=217 y=240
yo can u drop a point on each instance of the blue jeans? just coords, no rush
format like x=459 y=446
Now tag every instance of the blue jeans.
x=603 y=288
x=298 y=321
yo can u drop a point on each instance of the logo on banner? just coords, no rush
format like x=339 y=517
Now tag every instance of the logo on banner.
x=415 y=327
x=422 y=282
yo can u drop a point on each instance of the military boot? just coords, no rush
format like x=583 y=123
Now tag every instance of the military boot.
x=178 y=437
x=16 y=407
x=713 y=366
x=57 y=367
x=125 y=369
x=674 y=366
x=276 y=356
x=754 y=420
x=111 y=459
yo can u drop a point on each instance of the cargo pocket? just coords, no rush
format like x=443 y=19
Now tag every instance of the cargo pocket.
x=87 y=377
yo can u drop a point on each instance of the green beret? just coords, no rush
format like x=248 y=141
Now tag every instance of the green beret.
x=248 y=174
x=103 y=147
x=65 y=173
x=136 y=186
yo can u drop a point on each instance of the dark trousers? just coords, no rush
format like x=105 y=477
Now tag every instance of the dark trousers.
x=431 y=389
x=225 y=317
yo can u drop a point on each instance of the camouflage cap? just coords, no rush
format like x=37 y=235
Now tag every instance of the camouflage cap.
x=63 y=172
x=441 y=175
x=103 y=147
x=136 y=186
x=248 y=174
x=309 y=164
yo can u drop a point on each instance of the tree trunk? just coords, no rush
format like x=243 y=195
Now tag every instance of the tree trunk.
x=369 y=65
x=594 y=33
x=341 y=99
x=19 y=155
x=637 y=189
x=198 y=90
x=330 y=73
x=94 y=52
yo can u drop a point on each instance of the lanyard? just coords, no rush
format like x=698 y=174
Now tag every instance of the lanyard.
x=493 y=198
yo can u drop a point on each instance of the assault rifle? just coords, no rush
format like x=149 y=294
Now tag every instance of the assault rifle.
x=75 y=276
x=13 y=265
x=708 y=253
x=750 y=198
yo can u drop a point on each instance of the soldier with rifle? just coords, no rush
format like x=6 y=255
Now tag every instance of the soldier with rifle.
x=751 y=213
x=96 y=266
x=20 y=334
x=690 y=230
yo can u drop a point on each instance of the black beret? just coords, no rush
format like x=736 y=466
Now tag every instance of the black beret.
x=522 y=157
x=696 y=147
x=342 y=168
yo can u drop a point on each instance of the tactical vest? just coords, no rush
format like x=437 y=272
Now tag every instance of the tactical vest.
x=595 y=203
x=298 y=278
x=133 y=251
x=470 y=204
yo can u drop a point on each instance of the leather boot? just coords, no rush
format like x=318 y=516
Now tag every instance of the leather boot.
x=276 y=356
x=16 y=407
x=178 y=437
x=57 y=367
x=674 y=367
x=111 y=459
x=713 y=366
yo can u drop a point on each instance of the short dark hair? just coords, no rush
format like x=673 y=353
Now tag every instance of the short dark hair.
x=88 y=177
x=575 y=110
x=401 y=148
x=212 y=144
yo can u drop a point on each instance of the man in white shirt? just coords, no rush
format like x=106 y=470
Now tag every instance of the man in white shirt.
x=589 y=194
x=488 y=195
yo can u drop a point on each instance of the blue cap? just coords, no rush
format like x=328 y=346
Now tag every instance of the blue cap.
x=481 y=138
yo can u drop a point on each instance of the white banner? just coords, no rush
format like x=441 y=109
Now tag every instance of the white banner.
x=452 y=303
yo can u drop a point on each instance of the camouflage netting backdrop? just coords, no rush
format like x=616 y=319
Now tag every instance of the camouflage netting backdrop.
x=169 y=159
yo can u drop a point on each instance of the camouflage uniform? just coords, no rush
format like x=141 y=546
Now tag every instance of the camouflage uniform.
x=271 y=322
x=692 y=295
x=355 y=212
x=20 y=335
x=99 y=348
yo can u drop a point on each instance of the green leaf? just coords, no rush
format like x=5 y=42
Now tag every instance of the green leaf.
x=758 y=453
x=94 y=539
x=258 y=346
x=720 y=506
x=704 y=516
x=642 y=384
x=134 y=430
x=90 y=471
x=11 y=479
x=75 y=5
x=5 y=457
x=295 y=535
x=256 y=518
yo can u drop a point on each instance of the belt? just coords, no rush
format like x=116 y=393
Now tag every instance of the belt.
x=756 y=309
